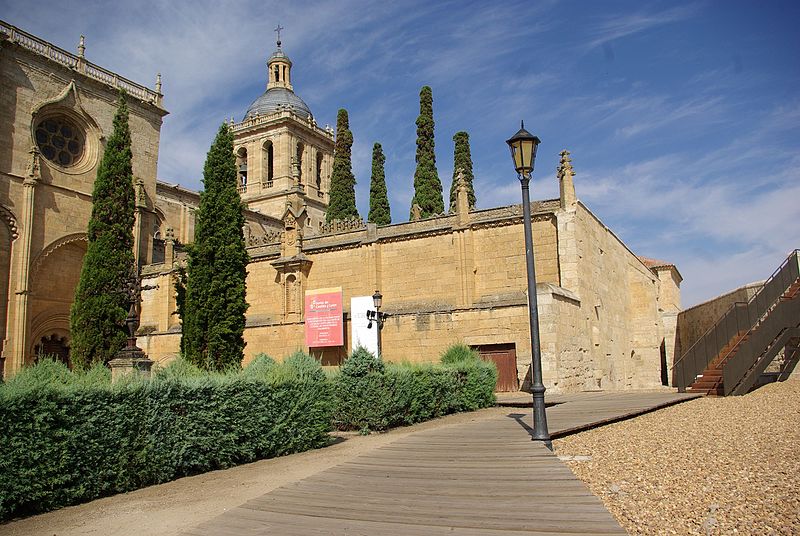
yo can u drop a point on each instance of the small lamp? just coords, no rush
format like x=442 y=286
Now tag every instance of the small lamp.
x=523 y=146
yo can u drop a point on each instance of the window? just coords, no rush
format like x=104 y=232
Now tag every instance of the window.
x=300 y=150
x=319 y=171
x=241 y=166
x=60 y=141
x=269 y=163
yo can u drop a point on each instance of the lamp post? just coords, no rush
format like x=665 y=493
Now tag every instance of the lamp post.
x=523 y=151
x=377 y=316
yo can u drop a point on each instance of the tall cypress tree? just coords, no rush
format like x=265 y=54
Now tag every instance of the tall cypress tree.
x=379 y=210
x=97 y=316
x=214 y=304
x=343 y=183
x=462 y=159
x=427 y=186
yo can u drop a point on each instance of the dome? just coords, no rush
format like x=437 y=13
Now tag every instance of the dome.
x=275 y=99
x=279 y=55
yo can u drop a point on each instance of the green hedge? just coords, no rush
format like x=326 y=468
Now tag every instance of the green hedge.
x=67 y=438
x=371 y=395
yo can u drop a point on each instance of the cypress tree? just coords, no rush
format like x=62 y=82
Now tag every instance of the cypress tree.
x=427 y=186
x=343 y=183
x=462 y=159
x=97 y=316
x=379 y=210
x=214 y=304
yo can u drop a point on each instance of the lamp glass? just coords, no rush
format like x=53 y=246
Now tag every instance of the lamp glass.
x=523 y=147
x=377 y=299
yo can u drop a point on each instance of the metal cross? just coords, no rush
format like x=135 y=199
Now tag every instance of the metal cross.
x=278 y=29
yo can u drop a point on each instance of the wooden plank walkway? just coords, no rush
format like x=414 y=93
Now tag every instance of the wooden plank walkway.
x=485 y=477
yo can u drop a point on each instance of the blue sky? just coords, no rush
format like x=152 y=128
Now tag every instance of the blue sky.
x=683 y=118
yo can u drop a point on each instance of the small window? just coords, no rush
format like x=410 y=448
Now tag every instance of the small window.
x=319 y=171
x=277 y=74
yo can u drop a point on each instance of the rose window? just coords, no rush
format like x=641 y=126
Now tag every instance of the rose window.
x=60 y=141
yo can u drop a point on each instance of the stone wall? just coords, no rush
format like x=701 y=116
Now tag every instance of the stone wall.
x=618 y=297
x=450 y=279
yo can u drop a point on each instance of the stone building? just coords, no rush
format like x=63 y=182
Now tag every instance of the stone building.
x=56 y=113
x=606 y=315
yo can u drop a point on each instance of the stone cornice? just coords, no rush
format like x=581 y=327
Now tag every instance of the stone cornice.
x=78 y=64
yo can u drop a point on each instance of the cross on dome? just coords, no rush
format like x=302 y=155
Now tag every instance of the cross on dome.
x=278 y=31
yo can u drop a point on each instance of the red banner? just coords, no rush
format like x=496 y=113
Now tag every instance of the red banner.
x=324 y=317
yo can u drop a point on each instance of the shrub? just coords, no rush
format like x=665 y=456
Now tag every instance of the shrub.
x=459 y=352
x=305 y=366
x=79 y=437
x=260 y=366
x=360 y=398
x=372 y=396
x=178 y=369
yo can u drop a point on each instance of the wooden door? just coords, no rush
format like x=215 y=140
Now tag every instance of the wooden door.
x=504 y=356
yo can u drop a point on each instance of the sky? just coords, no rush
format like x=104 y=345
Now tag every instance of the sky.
x=683 y=118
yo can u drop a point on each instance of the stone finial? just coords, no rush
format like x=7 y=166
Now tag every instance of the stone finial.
x=416 y=212
x=34 y=167
x=82 y=47
x=169 y=246
x=462 y=196
x=158 y=83
x=565 y=173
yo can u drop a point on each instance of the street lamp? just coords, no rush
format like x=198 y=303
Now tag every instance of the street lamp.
x=377 y=316
x=523 y=151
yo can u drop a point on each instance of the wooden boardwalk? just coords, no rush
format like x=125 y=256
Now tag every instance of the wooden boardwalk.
x=485 y=477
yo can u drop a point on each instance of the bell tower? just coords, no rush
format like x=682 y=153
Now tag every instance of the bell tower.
x=279 y=67
x=281 y=153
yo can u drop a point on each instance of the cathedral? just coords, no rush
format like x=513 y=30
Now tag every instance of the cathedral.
x=607 y=316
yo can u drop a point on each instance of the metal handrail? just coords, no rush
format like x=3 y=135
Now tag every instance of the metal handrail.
x=770 y=334
x=740 y=318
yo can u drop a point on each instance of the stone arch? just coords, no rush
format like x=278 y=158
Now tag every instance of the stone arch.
x=46 y=252
x=10 y=220
x=50 y=336
x=54 y=277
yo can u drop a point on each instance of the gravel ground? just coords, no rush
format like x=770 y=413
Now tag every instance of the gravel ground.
x=712 y=466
